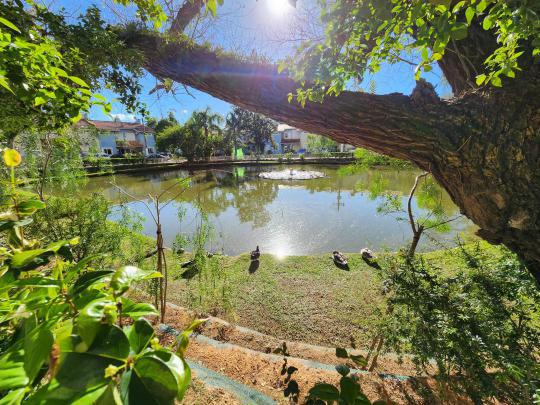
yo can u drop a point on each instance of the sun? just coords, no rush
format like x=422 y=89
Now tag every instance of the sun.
x=278 y=7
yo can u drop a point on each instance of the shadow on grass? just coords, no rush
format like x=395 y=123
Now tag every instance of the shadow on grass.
x=342 y=266
x=372 y=263
x=253 y=266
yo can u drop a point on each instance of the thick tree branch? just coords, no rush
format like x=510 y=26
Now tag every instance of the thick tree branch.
x=393 y=124
x=483 y=147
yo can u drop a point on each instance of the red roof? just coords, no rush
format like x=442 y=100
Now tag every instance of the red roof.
x=290 y=140
x=115 y=125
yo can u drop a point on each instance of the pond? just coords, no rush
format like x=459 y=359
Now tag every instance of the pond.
x=283 y=217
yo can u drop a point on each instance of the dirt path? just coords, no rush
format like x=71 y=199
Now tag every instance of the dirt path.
x=241 y=359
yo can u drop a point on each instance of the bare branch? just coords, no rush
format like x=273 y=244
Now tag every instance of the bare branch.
x=409 y=202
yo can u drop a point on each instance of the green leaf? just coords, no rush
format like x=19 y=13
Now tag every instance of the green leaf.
x=349 y=390
x=481 y=6
x=78 y=81
x=43 y=282
x=111 y=396
x=425 y=54
x=179 y=368
x=487 y=23
x=39 y=101
x=13 y=397
x=37 y=348
x=480 y=79
x=152 y=382
x=139 y=334
x=28 y=207
x=459 y=31
x=211 y=6
x=88 y=279
x=496 y=81
x=469 y=14
x=82 y=371
x=358 y=360
x=111 y=342
x=183 y=338
x=136 y=310
x=91 y=318
x=324 y=392
x=9 y=24
x=341 y=353
x=343 y=369
x=123 y=277
x=12 y=373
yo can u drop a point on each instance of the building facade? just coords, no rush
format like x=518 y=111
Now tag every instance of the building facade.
x=290 y=139
x=117 y=137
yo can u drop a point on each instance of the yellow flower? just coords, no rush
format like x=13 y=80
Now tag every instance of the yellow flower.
x=12 y=157
x=111 y=370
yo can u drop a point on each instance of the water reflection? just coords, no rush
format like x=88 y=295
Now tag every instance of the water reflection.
x=284 y=217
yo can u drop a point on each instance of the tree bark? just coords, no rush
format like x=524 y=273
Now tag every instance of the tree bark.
x=483 y=146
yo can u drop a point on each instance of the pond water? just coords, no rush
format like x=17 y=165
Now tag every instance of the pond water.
x=283 y=217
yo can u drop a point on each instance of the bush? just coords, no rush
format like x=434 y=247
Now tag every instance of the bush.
x=87 y=218
x=481 y=326
x=69 y=333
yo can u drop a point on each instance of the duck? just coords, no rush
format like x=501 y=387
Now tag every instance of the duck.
x=367 y=254
x=187 y=264
x=339 y=258
x=255 y=254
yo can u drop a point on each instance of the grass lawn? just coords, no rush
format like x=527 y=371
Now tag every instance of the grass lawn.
x=303 y=298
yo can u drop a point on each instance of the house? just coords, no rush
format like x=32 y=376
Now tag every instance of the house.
x=116 y=136
x=290 y=139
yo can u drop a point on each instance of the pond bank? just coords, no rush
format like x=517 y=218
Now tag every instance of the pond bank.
x=93 y=171
x=297 y=298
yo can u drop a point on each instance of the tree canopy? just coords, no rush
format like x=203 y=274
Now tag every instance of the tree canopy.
x=361 y=36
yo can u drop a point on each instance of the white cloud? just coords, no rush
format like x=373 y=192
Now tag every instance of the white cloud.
x=185 y=111
x=125 y=117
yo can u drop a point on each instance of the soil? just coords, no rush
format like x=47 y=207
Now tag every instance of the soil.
x=244 y=360
x=200 y=394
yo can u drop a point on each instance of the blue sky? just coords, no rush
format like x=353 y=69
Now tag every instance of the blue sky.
x=243 y=25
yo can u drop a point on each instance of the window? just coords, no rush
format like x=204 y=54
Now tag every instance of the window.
x=107 y=151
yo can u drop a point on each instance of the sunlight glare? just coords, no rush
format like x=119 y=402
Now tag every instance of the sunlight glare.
x=279 y=7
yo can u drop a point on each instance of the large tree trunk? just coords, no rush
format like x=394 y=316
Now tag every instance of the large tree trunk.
x=483 y=146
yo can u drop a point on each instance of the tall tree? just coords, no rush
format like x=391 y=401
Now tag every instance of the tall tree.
x=209 y=123
x=482 y=146
x=252 y=128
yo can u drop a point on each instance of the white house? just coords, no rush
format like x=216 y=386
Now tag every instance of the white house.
x=290 y=139
x=120 y=137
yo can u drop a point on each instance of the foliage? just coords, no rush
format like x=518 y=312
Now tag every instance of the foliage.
x=360 y=36
x=164 y=142
x=321 y=144
x=205 y=270
x=49 y=67
x=365 y=159
x=481 y=325
x=64 y=337
x=349 y=392
x=52 y=159
x=250 y=128
x=87 y=218
x=429 y=198
x=198 y=138
x=36 y=89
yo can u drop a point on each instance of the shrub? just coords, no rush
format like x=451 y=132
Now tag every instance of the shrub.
x=66 y=218
x=481 y=326
x=69 y=333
